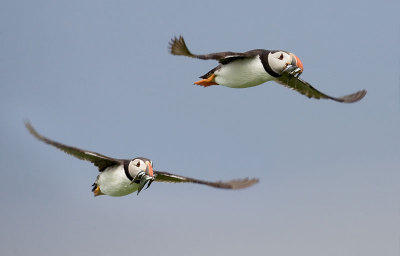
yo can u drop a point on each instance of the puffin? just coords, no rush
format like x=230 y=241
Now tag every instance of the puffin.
x=120 y=177
x=255 y=67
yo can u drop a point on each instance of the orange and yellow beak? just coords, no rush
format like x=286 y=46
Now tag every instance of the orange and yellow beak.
x=296 y=62
x=149 y=169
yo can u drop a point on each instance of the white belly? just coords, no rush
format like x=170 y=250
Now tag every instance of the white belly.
x=113 y=182
x=242 y=73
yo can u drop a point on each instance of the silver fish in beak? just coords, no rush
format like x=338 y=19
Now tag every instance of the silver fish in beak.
x=144 y=177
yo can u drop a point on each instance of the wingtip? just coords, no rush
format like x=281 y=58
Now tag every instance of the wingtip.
x=27 y=123
x=355 y=97
x=364 y=92
x=243 y=183
x=177 y=46
x=171 y=44
x=30 y=128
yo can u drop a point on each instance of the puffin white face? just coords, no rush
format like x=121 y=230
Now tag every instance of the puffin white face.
x=141 y=169
x=135 y=166
x=279 y=60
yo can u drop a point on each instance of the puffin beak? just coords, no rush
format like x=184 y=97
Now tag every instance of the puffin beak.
x=294 y=67
x=148 y=177
x=149 y=169
x=297 y=63
x=144 y=177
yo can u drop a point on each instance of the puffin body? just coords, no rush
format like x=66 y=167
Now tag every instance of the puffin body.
x=242 y=73
x=120 y=177
x=114 y=182
x=255 y=67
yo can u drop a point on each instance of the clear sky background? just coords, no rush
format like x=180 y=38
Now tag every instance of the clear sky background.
x=98 y=75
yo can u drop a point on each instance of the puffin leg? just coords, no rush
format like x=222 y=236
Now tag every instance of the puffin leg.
x=97 y=191
x=207 y=82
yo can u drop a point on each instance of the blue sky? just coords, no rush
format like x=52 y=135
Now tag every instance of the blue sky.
x=98 y=75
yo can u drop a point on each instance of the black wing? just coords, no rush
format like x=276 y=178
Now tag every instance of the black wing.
x=178 y=46
x=97 y=159
x=306 y=89
x=233 y=184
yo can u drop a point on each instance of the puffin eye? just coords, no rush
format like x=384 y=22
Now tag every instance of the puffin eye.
x=281 y=57
x=138 y=164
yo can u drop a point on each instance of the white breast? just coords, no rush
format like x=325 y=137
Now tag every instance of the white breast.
x=113 y=182
x=242 y=73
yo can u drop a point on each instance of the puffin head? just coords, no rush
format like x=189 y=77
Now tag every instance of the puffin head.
x=141 y=169
x=281 y=61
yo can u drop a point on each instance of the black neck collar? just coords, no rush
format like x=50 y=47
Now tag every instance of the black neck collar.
x=265 y=62
x=128 y=175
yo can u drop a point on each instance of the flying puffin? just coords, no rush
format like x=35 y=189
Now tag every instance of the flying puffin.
x=251 y=68
x=120 y=177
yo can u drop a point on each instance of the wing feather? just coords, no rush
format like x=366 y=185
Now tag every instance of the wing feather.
x=97 y=159
x=306 y=89
x=233 y=184
x=178 y=46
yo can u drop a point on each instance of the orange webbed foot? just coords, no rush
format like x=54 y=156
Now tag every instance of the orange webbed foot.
x=207 y=82
x=97 y=191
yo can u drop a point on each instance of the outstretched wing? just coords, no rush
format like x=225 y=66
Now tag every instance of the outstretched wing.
x=233 y=184
x=97 y=159
x=306 y=89
x=178 y=46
